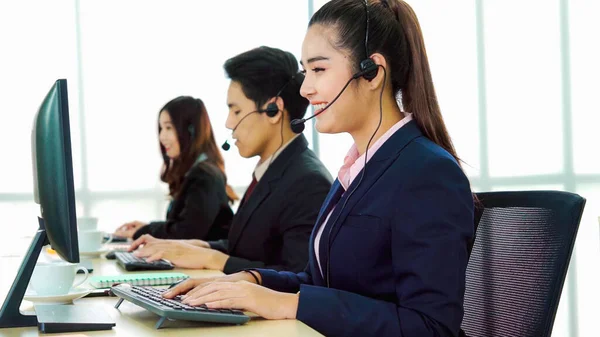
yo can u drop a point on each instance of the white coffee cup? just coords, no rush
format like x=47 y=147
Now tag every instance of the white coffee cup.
x=91 y=241
x=55 y=278
x=87 y=223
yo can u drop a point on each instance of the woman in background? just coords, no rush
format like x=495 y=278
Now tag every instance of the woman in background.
x=195 y=172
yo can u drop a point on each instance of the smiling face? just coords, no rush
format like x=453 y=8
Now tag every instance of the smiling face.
x=327 y=71
x=168 y=135
x=253 y=134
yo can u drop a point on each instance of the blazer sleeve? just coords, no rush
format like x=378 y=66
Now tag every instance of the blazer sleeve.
x=431 y=225
x=150 y=228
x=220 y=245
x=202 y=204
x=285 y=281
x=298 y=214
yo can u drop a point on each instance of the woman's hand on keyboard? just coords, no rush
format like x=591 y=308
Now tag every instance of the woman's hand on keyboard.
x=192 y=285
x=244 y=295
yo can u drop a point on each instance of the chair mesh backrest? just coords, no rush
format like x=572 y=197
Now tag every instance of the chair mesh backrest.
x=519 y=261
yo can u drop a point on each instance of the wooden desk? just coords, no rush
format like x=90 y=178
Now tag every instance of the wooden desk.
x=132 y=320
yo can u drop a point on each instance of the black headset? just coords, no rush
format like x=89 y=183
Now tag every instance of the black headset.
x=368 y=67
x=271 y=110
x=368 y=71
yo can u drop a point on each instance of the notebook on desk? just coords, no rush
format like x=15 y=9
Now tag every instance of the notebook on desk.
x=149 y=279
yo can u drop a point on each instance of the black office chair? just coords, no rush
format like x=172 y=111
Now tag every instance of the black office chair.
x=519 y=261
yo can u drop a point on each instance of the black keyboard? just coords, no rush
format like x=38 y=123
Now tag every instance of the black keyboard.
x=131 y=262
x=151 y=299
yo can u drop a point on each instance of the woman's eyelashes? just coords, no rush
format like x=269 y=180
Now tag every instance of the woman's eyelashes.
x=315 y=70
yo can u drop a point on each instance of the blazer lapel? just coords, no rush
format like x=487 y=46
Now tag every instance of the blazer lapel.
x=332 y=199
x=376 y=166
x=263 y=189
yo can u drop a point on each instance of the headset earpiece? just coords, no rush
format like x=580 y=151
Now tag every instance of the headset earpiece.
x=368 y=69
x=271 y=110
x=192 y=130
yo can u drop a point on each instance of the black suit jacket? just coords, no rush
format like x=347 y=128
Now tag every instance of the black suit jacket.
x=201 y=211
x=271 y=229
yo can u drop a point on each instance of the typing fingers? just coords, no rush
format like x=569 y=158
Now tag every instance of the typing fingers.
x=220 y=293
x=199 y=286
x=209 y=288
x=181 y=288
x=155 y=257
x=140 y=241
x=147 y=250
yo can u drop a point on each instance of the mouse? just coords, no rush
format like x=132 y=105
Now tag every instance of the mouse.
x=111 y=255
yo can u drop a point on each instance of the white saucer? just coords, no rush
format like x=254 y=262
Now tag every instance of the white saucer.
x=73 y=294
x=97 y=253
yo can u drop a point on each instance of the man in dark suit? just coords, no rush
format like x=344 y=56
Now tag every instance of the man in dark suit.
x=272 y=226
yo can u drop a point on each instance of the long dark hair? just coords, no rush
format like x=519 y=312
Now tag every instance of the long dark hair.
x=394 y=32
x=195 y=136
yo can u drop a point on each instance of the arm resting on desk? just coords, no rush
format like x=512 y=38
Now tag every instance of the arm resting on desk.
x=284 y=281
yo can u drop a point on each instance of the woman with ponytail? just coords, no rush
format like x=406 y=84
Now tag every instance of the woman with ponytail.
x=195 y=172
x=389 y=251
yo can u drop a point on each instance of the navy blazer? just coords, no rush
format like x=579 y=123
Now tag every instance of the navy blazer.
x=398 y=249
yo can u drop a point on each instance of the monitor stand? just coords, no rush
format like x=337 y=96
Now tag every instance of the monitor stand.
x=10 y=315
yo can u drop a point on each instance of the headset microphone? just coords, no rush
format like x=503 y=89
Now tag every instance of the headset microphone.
x=226 y=146
x=297 y=125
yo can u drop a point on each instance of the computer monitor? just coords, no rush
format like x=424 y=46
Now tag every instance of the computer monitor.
x=53 y=172
x=54 y=191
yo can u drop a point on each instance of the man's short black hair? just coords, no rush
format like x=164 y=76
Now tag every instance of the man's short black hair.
x=263 y=71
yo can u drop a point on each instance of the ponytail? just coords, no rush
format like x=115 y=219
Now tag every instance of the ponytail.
x=418 y=93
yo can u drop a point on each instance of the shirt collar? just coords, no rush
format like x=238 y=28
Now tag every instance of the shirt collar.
x=353 y=163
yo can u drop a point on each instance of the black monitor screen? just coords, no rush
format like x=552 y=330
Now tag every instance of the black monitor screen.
x=53 y=171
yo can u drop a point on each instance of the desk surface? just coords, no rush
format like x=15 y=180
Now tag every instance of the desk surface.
x=132 y=320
